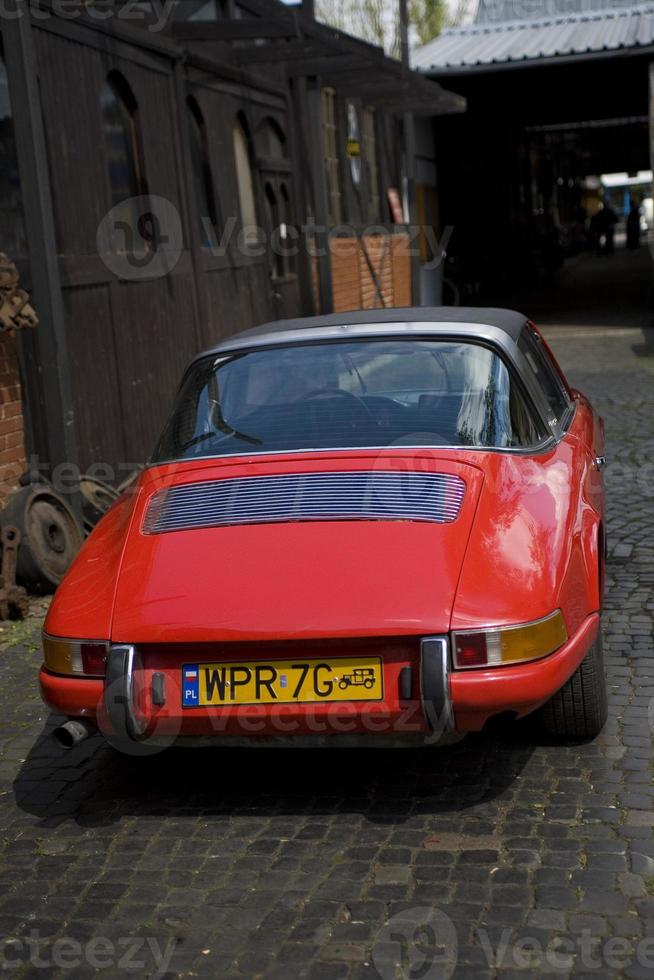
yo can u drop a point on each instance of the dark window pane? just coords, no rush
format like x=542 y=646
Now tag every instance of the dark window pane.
x=206 y=200
x=245 y=183
x=271 y=141
x=207 y=11
x=120 y=142
x=198 y=10
x=125 y=165
x=12 y=229
x=544 y=373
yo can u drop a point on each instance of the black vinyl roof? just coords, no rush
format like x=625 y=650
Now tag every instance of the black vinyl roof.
x=508 y=321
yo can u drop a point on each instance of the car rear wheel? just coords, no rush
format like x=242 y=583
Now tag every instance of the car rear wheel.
x=580 y=708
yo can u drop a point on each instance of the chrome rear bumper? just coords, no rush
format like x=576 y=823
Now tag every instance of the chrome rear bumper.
x=124 y=661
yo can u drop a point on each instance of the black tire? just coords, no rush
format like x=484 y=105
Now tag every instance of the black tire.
x=50 y=536
x=580 y=708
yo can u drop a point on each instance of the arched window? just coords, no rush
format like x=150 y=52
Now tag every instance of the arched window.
x=122 y=139
x=245 y=181
x=271 y=141
x=202 y=176
x=275 y=167
x=124 y=158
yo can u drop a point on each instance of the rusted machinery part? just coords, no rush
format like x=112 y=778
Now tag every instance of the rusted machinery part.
x=50 y=536
x=97 y=498
x=16 y=312
x=14 y=603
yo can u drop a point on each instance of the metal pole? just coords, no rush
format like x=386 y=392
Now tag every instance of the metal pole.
x=404 y=38
x=300 y=189
x=318 y=175
x=410 y=153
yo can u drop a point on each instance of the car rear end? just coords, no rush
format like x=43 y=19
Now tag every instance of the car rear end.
x=297 y=562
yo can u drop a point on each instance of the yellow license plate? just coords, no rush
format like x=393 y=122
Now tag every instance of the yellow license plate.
x=282 y=682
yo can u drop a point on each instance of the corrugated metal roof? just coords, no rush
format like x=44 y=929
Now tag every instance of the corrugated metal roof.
x=501 y=11
x=530 y=40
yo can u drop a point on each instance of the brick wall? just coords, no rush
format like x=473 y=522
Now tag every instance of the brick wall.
x=12 y=443
x=353 y=287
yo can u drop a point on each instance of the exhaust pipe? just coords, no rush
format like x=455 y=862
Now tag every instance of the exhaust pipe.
x=71 y=733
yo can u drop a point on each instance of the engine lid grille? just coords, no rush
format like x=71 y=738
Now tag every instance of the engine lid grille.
x=356 y=495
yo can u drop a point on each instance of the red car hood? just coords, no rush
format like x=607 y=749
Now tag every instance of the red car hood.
x=305 y=579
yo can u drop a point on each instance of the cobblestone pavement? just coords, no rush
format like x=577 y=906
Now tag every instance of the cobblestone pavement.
x=501 y=855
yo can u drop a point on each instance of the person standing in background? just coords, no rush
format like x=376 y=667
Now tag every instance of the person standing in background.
x=633 y=227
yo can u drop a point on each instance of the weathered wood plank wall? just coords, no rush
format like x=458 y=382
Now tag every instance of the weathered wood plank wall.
x=128 y=341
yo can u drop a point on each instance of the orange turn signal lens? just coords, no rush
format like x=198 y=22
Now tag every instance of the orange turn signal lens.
x=86 y=658
x=509 y=644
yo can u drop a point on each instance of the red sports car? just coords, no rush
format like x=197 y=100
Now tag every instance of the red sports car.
x=375 y=527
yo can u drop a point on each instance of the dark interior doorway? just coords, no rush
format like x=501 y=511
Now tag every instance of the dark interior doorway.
x=516 y=186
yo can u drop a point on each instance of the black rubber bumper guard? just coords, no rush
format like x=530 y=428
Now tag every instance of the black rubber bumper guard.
x=435 y=684
x=123 y=661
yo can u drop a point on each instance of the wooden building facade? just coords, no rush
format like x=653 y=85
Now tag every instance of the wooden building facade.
x=241 y=143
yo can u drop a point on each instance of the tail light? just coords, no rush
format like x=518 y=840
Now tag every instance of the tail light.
x=509 y=644
x=85 y=658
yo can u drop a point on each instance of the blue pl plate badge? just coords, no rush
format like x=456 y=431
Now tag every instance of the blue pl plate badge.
x=190 y=686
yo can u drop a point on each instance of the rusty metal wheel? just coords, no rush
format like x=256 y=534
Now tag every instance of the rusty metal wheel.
x=97 y=498
x=50 y=536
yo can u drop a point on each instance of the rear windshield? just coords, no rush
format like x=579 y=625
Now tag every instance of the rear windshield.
x=348 y=395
